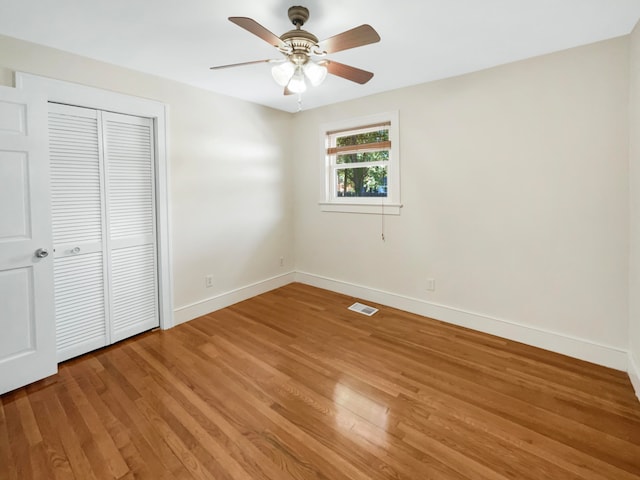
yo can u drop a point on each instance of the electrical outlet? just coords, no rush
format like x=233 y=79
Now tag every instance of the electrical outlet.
x=208 y=281
x=282 y=261
x=431 y=284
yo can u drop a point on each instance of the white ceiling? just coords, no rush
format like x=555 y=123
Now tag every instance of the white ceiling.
x=422 y=40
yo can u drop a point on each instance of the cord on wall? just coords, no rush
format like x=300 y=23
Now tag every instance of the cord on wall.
x=382 y=219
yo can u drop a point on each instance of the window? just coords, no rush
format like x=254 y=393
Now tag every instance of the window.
x=361 y=165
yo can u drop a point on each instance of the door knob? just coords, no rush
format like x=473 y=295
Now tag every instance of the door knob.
x=42 y=252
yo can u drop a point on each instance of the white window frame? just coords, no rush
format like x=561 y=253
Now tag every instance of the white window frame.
x=389 y=205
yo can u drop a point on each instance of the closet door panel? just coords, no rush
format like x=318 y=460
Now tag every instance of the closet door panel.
x=129 y=155
x=134 y=307
x=75 y=175
x=80 y=306
x=78 y=233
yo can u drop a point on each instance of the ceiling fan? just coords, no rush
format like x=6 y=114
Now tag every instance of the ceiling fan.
x=299 y=46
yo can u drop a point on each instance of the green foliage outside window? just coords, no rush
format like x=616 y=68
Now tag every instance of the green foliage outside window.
x=362 y=181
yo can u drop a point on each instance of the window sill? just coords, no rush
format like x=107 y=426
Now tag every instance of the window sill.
x=367 y=208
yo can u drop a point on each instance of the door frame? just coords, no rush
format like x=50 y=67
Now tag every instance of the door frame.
x=75 y=94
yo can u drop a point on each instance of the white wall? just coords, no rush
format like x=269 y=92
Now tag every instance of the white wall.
x=515 y=192
x=230 y=177
x=634 y=183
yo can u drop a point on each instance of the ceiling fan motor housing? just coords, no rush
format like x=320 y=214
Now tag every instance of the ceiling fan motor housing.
x=300 y=41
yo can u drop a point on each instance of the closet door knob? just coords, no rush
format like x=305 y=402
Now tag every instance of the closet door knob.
x=42 y=252
x=75 y=250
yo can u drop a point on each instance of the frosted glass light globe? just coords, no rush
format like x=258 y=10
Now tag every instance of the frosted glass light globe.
x=315 y=73
x=283 y=72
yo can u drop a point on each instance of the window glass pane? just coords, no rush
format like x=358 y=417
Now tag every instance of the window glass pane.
x=362 y=138
x=382 y=155
x=362 y=182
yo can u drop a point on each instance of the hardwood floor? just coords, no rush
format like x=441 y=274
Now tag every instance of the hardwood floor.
x=292 y=385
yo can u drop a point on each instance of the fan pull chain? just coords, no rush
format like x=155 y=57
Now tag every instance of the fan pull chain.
x=299 y=102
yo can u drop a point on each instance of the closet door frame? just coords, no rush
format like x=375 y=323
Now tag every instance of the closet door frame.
x=82 y=96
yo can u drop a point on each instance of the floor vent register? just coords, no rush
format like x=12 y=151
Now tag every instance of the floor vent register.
x=363 y=309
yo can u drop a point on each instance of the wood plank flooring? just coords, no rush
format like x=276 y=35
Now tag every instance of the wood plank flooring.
x=291 y=385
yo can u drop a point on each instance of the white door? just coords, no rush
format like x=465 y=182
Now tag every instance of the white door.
x=104 y=227
x=79 y=235
x=27 y=328
x=131 y=224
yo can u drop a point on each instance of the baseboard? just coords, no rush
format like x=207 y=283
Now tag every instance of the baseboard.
x=634 y=374
x=223 y=300
x=582 y=349
x=574 y=347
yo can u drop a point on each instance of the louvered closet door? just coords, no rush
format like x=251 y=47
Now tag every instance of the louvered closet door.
x=102 y=179
x=78 y=233
x=130 y=200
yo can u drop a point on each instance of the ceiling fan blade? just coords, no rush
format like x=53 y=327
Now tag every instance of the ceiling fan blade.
x=356 y=37
x=254 y=27
x=219 y=67
x=346 y=71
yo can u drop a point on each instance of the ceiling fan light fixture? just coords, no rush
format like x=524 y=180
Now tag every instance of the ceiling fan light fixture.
x=283 y=72
x=297 y=83
x=315 y=73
